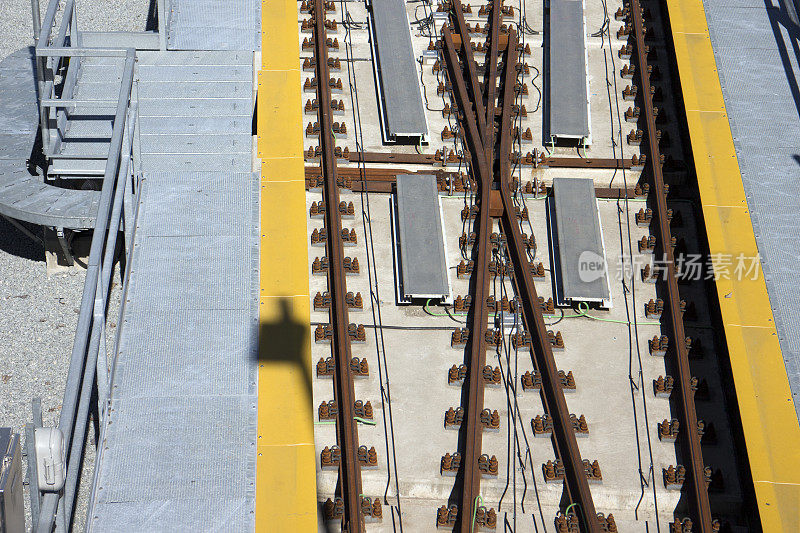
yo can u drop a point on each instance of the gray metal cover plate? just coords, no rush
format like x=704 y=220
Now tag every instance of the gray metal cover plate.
x=579 y=242
x=753 y=45
x=397 y=69
x=568 y=94
x=423 y=266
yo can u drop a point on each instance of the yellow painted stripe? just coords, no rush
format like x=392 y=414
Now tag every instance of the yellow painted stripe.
x=770 y=423
x=286 y=491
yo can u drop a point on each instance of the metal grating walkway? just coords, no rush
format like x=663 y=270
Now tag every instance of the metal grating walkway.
x=755 y=43
x=214 y=25
x=180 y=435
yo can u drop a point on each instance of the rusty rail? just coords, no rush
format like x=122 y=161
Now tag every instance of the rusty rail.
x=576 y=481
x=346 y=430
x=695 y=484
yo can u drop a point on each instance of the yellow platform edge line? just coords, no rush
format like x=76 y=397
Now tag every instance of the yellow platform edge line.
x=286 y=485
x=769 y=420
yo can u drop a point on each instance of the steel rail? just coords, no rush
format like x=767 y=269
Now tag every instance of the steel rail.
x=471 y=67
x=577 y=484
x=490 y=81
x=346 y=428
x=695 y=484
x=472 y=430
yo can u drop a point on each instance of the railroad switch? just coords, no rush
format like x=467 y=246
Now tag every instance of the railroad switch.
x=662 y=387
x=490 y=420
x=505 y=305
x=446 y=516
x=333 y=509
x=330 y=458
x=368 y=458
x=495 y=204
x=457 y=374
x=453 y=418
x=450 y=464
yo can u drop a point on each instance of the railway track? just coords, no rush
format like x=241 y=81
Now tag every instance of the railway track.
x=485 y=102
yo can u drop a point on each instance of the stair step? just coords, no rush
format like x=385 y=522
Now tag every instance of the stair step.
x=77 y=167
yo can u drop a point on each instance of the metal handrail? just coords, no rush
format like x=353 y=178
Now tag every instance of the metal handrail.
x=86 y=367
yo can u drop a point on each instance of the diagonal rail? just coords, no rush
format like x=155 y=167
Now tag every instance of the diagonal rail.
x=473 y=432
x=574 y=474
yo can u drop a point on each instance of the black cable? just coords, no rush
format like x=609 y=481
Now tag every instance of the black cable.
x=633 y=334
x=386 y=397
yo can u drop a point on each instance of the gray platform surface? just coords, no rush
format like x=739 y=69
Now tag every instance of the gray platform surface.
x=582 y=270
x=180 y=436
x=25 y=196
x=214 y=25
x=403 y=113
x=423 y=267
x=568 y=95
x=758 y=67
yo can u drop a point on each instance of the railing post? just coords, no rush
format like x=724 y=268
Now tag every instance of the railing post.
x=37 y=21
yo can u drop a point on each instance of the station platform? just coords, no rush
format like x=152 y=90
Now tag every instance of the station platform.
x=738 y=75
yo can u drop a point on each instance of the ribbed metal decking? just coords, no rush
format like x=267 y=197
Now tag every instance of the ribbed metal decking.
x=179 y=439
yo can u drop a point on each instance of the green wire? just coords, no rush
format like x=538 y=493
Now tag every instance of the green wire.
x=475 y=511
x=583 y=307
x=356 y=418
